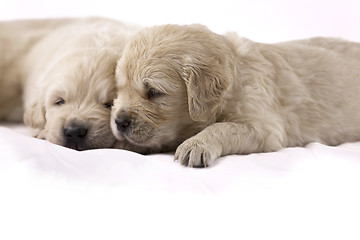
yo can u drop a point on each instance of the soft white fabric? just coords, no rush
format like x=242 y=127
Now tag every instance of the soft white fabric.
x=53 y=192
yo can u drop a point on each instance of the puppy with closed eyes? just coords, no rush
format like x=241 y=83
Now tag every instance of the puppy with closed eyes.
x=65 y=69
x=208 y=95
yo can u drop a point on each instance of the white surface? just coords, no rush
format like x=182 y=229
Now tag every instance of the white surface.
x=259 y=20
x=296 y=193
x=50 y=192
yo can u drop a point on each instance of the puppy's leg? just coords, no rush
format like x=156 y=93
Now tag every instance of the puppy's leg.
x=38 y=133
x=138 y=149
x=226 y=138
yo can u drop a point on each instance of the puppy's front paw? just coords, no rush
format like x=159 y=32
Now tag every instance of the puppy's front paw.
x=196 y=153
x=37 y=133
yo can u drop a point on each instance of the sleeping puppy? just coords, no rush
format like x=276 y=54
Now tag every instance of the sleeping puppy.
x=208 y=95
x=66 y=70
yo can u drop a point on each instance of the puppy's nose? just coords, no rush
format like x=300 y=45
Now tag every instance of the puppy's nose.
x=122 y=123
x=75 y=133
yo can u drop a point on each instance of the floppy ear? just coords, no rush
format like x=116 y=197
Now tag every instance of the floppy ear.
x=34 y=115
x=206 y=86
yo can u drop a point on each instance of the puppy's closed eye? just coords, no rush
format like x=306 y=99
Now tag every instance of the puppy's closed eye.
x=153 y=93
x=59 y=101
x=108 y=105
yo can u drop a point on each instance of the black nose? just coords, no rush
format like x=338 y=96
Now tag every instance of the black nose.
x=75 y=133
x=123 y=123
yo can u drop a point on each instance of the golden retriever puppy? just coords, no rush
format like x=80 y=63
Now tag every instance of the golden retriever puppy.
x=66 y=71
x=208 y=95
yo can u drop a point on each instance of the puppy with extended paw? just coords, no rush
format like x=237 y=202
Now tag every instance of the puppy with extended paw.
x=66 y=71
x=208 y=95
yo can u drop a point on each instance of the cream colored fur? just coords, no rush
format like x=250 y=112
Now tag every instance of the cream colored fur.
x=61 y=59
x=208 y=95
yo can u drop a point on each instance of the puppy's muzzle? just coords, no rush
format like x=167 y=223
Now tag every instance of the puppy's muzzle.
x=123 y=123
x=132 y=128
x=75 y=135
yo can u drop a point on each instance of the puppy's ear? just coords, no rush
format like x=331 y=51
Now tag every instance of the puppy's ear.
x=206 y=86
x=34 y=115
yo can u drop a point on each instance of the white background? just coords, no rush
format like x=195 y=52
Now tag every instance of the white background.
x=35 y=208
x=259 y=20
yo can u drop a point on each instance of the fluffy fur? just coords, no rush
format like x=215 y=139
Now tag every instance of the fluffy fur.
x=208 y=95
x=65 y=69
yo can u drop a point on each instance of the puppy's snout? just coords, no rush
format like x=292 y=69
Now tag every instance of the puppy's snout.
x=123 y=123
x=75 y=133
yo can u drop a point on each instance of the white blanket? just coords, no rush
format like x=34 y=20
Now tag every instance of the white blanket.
x=53 y=192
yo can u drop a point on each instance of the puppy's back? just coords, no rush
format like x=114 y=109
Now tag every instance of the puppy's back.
x=338 y=45
x=329 y=71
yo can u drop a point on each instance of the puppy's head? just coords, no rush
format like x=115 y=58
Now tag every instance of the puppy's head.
x=172 y=81
x=74 y=102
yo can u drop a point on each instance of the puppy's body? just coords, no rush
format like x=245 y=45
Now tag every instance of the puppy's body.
x=296 y=92
x=65 y=69
x=219 y=95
